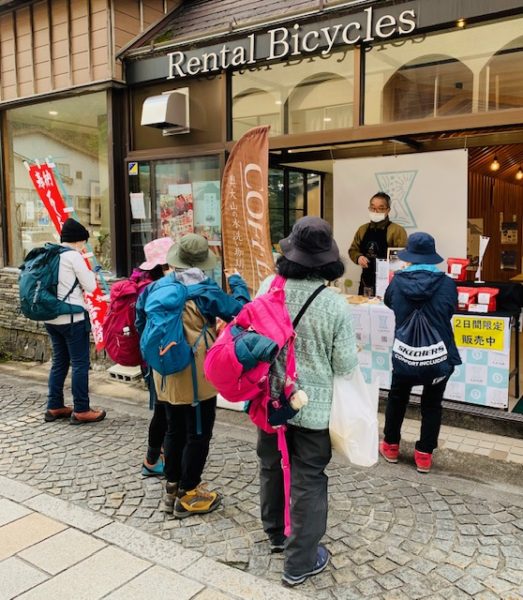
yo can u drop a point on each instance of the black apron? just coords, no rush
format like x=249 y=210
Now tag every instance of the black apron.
x=372 y=246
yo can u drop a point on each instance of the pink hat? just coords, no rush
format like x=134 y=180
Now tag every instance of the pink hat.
x=156 y=253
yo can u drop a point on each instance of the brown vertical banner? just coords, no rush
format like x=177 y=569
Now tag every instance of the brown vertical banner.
x=245 y=209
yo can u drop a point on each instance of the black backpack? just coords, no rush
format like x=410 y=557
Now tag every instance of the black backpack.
x=419 y=353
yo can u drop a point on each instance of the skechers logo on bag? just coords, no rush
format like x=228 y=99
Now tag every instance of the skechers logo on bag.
x=420 y=355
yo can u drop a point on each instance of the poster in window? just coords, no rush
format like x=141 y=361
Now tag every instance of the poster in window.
x=207 y=216
x=176 y=211
x=509 y=232
x=509 y=260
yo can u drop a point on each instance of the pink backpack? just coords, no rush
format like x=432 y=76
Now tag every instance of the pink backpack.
x=122 y=342
x=266 y=315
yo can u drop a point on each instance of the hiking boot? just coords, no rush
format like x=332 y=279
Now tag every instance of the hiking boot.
x=89 y=416
x=277 y=544
x=171 y=489
x=423 y=461
x=149 y=470
x=52 y=414
x=322 y=560
x=196 y=502
x=390 y=452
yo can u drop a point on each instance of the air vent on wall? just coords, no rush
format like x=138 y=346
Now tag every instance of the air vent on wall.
x=168 y=111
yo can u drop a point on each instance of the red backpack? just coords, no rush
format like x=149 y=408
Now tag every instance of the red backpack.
x=122 y=342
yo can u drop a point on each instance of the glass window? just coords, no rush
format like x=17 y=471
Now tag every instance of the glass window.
x=73 y=133
x=457 y=72
x=176 y=196
x=314 y=93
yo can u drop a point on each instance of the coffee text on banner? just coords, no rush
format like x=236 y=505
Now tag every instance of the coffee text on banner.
x=245 y=209
x=45 y=184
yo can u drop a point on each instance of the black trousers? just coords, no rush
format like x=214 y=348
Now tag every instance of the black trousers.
x=185 y=451
x=430 y=412
x=310 y=453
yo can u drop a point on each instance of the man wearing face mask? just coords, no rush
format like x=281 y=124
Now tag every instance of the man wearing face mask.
x=372 y=240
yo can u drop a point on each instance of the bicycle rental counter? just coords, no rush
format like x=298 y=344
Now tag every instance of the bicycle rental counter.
x=483 y=341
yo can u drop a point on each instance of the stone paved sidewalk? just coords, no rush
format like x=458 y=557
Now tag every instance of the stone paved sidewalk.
x=393 y=534
x=51 y=549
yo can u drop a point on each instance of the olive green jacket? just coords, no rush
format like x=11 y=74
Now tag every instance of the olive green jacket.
x=396 y=237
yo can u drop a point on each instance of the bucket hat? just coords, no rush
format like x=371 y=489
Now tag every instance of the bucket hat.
x=156 y=253
x=421 y=249
x=310 y=243
x=191 y=251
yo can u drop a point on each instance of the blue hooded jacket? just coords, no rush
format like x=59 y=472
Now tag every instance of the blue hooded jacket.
x=409 y=289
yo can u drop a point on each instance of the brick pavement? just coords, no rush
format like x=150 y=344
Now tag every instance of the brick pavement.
x=393 y=534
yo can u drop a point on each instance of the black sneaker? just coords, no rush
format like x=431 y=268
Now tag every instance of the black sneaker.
x=277 y=544
x=322 y=560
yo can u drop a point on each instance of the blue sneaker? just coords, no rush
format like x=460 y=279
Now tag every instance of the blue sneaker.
x=154 y=471
x=322 y=560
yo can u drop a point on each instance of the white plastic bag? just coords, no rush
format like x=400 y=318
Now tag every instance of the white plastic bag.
x=353 y=422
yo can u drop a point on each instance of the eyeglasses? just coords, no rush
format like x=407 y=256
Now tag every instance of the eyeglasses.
x=381 y=209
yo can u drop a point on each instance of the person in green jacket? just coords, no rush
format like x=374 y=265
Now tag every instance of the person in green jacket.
x=373 y=239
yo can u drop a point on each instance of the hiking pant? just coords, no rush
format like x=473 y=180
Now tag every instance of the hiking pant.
x=70 y=345
x=310 y=453
x=397 y=402
x=157 y=431
x=185 y=451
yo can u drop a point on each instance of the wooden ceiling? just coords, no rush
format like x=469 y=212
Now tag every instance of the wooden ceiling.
x=509 y=156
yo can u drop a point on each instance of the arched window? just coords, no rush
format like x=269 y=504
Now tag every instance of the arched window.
x=321 y=101
x=433 y=85
x=501 y=80
x=247 y=113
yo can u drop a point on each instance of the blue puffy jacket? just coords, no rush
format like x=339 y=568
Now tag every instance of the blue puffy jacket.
x=411 y=288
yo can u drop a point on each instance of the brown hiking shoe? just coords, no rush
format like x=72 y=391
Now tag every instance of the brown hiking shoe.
x=52 y=414
x=90 y=416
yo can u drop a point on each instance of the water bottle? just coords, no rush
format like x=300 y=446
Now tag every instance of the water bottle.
x=126 y=331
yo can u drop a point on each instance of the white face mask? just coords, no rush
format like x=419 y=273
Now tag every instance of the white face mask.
x=377 y=217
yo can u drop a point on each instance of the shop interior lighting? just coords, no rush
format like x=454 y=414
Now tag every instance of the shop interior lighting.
x=494 y=165
x=519 y=174
x=461 y=23
x=53 y=113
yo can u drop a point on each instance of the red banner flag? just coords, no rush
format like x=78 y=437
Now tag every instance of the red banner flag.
x=45 y=184
x=245 y=209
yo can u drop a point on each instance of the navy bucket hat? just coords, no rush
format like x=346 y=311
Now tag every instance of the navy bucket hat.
x=421 y=249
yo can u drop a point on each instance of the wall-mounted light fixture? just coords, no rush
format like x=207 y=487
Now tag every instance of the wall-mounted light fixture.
x=461 y=23
x=494 y=165
x=519 y=174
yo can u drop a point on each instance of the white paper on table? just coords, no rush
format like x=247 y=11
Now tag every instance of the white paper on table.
x=137 y=205
x=382 y=276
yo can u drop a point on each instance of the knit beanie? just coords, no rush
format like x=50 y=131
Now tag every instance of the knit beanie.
x=72 y=231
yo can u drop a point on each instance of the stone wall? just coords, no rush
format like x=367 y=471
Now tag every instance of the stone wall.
x=21 y=338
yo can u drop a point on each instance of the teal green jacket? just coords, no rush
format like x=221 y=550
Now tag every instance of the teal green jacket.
x=325 y=346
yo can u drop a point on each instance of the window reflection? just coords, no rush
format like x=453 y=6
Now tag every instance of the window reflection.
x=73 y=133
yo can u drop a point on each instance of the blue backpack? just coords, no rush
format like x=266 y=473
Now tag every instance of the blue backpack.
x=163 y=344
x=38 y=284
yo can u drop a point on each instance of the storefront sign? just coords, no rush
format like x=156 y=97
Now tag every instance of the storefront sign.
x=245 y=209
x=286 y=42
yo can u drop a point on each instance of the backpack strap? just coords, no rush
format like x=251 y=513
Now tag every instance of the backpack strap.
x=316 y=292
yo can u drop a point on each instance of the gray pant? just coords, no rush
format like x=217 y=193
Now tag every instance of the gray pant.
x=310 y=453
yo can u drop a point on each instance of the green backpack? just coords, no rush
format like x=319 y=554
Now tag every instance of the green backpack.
x=38 y=284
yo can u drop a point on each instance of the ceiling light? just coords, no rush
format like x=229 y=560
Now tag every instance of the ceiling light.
x=327 y=119
x=53 y=113
x=461 y=23
x=278 y=102
x=494 y=165
x=519 y=174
